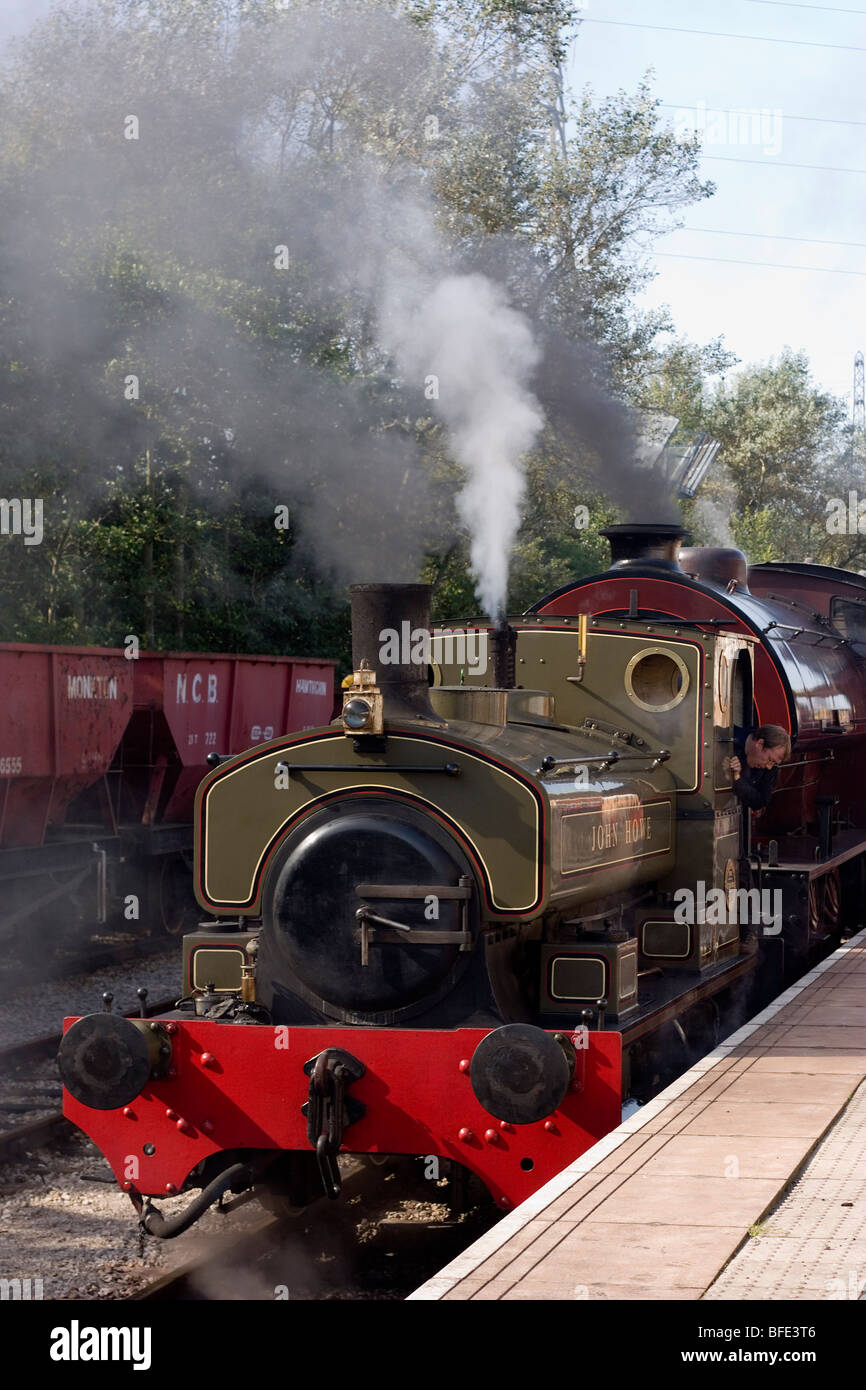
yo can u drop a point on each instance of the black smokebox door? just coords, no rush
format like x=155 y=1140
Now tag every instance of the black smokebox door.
x=312 y=906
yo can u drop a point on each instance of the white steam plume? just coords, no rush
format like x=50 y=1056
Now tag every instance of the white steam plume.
x=463 y=338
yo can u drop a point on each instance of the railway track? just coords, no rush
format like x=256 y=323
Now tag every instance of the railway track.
x=89 y=958
x=185 y=1283
x=376 y=1242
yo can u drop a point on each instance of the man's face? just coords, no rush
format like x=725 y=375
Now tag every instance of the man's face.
x=759 y=755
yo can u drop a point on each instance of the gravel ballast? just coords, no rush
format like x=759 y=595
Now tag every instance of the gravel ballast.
x=60 y=1224
x=41 y=1008
x=79 y=1235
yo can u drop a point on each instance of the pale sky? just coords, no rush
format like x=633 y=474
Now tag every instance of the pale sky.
x=758 y=309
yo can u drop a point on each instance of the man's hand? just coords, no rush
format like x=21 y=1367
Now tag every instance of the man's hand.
x=735 y=768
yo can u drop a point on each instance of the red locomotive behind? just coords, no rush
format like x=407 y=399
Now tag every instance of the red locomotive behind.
x=809 y=677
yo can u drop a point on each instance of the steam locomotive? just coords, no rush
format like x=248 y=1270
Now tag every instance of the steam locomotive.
x=456 y=921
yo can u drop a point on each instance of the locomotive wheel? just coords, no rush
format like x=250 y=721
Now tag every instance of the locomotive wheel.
x=815 y=896
x=852 y=878
x=833 y=902
x=173 y=907
x=290 y=1185
x=825 y=905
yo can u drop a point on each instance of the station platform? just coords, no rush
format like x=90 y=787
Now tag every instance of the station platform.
x=743 y=1179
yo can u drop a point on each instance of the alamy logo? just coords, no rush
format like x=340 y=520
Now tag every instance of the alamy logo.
x=22 y=516
x=415 y=646
x=762 y=128
x=852 y=1289
x=846 y=517
x=744 y=906
x=77 y=1343
x=17 y=1290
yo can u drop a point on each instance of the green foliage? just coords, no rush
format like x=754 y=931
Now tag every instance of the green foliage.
x=680 y=380
x=622 y=174
x=160 y=506
x=785 y=451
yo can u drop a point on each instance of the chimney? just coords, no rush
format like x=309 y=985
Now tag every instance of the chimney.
x=395 y=619
x=636 y=545
x=503 y=648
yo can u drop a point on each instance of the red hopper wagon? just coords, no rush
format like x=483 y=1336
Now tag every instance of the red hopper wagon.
x=100 y=758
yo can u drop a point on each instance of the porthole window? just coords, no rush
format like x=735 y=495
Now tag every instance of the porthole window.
x=656 y=679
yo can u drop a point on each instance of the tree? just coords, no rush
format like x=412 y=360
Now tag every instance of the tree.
x=199 y=198
x=681 y=379
x=785 y=453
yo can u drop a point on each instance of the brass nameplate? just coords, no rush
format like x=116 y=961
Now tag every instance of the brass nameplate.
x=612 y=835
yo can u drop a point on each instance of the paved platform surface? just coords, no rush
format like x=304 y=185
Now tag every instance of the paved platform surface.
x=659 y=1208
x=813 y=1244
